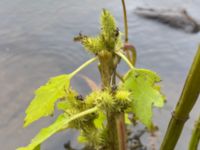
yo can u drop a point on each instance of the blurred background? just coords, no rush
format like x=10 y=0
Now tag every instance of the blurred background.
x=36 y=42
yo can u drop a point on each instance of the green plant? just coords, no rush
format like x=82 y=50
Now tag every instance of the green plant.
x=195 y=138
x=185 y=104
x=99 y=116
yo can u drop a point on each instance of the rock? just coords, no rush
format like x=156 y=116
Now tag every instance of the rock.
x=174 y=18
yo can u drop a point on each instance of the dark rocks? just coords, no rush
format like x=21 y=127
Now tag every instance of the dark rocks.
x=175 y=18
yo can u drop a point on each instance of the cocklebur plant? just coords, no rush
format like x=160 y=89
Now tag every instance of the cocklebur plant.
x=95 y=115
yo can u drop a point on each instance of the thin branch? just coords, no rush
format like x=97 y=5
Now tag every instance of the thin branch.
x=83 y=66
x=125 y=59
x=125 y=21
x=119 y=76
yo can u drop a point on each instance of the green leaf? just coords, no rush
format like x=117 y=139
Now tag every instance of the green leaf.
x=63 y=105
x=45 y=97
x=99 y=121
x=144 y=94
x=45 y=133
x=127 y=120
x=61 y=123
x=37 y=148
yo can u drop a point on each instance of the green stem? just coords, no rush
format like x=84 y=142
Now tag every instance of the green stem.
x=86 y=112
x=194 y=141
x=121 y=123
x=113 y=143
x=119 y=76
x=107 y=67
x=125 y=59
x=125 y=21
x=186 y=102
x=83 y=66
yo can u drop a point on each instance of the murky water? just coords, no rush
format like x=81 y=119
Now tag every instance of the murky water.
x=36 y=43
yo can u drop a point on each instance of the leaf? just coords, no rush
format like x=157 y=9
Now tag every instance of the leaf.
x=61 y=123
x=63 y=105
x=45 y=133
x=37 y=148
x=127 y=120
x=144 y=93
x=45 y=97
x=99 y=121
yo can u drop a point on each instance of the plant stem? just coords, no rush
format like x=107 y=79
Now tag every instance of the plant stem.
x=119 y=76
x=125 y=21
x=184 y=106
x=125 y=59
x=113 y=143
x=83 y=66
x=125 y=28
x=107 y=68
x=121 y=122
x=194 y=141
x=86 y=112
x=121 y=130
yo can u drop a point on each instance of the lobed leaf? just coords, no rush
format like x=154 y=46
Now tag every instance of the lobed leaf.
x=45 y=97
x=45 y=133
x=144 y=94
x=61 y=123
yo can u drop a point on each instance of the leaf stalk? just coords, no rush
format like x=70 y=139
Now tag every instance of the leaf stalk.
x=83 y=66
x=125 y=59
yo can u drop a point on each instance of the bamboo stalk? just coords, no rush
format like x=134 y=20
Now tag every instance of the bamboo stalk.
x=185 y=104
x=194 y=141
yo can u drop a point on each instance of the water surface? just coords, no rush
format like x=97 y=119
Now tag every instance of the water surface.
x=36 y=42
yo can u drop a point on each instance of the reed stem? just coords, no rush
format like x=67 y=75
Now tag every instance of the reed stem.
x=185 y=104
x=194 y=141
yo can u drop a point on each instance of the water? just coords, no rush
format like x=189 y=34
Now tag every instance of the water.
x=36 y=42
